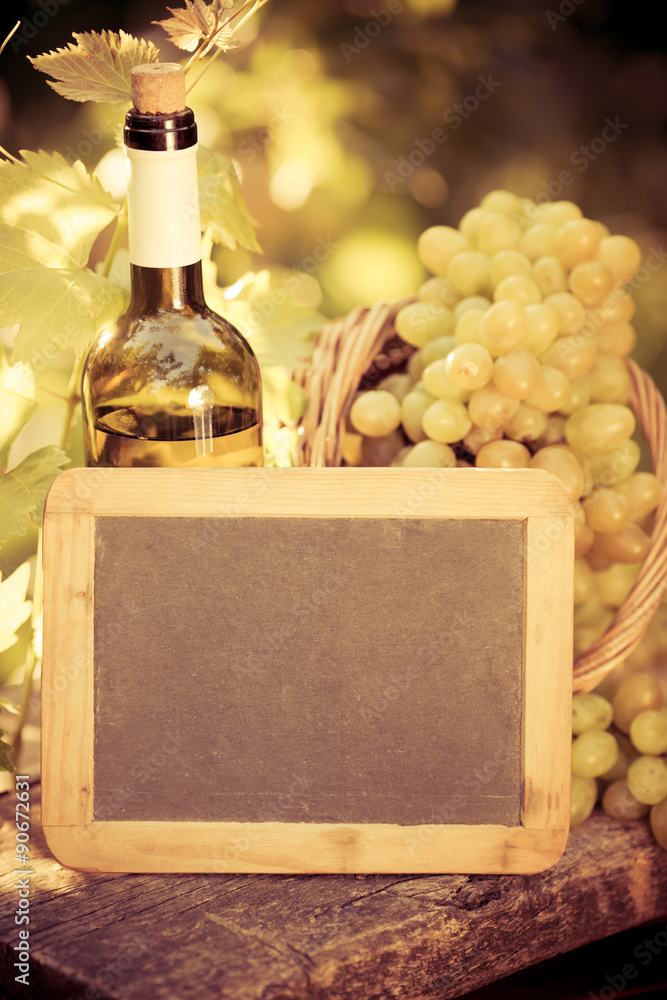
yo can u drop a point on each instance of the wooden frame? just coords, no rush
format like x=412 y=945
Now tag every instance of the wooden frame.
x=80 y=496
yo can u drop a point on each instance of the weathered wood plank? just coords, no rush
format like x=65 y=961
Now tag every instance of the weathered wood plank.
x=266 y=937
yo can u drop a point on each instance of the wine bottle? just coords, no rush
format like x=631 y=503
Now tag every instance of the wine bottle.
x=172 y=383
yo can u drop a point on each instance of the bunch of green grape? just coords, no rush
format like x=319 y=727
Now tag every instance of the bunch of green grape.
x=619 y=749
x=520 y=338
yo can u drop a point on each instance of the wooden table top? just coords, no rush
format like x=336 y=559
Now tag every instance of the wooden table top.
x=329 y=937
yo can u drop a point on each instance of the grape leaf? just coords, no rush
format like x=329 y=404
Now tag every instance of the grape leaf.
x=196 y=21
x=57 y=308
x=263 y=309
x=223 y=211
x=53 y=210
x=23 y=490
x=50 y=214
x=14 y=609
x=17 y=402
x=98 y=67
x=5 y=750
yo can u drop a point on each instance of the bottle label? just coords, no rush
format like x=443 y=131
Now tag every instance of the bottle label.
x=163 y=207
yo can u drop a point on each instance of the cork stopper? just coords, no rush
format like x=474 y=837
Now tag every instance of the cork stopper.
x=158 y=88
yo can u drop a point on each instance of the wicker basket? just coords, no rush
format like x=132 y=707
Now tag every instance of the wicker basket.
x=347 y=349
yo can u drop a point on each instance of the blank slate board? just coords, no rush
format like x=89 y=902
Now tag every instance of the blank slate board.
x=307 y=670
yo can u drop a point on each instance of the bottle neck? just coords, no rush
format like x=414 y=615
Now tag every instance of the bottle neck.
x=166 y=289
x=162 y=190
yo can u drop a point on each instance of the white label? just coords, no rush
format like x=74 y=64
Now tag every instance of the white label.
x=163 y=207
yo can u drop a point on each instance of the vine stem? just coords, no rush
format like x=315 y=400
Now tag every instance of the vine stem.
x=205 y=47
x=73 y=398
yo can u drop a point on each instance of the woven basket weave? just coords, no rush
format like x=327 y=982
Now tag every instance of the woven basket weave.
x=345 y=351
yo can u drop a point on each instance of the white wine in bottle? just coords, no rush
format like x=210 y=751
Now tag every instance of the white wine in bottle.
x=173 y=383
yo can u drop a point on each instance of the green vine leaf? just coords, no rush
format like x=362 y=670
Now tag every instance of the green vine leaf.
x=17 y=402
x=50 y=214
x=23 y=490
x=196 y=22
x=14 y=609
x=224 y=215
x=5 y=750
x=98 y=67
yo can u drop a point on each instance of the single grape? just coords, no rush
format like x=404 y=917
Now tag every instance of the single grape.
x=429 y=455
x=614 y=467
x=419 y=322
x=541 y=329
x=398 y=384
x=496 y=231
x=574 y=356
x=470 y=272
x=413 y=408
x=437 y=381
x=516 y=374
x=507 y=263
x=518 y=288
x=467 y=326
x=470 y=302
x=617 y=307
x=446 y=421
x=469 y=366
x=591 y=612
x=469 y=224
x=490 y=408
x=375 y=413
x=501 y=201
x=527 y=424
x=615 y=582
x=436 y=349
x=437 y=245
x=503 y=455
x=561 y=463
x=648 y=731
x=599 y=427
x=554 y=432
x=593 y=753
x=415 y=366
x=609 y=380
x=619 y=803
x=639 y=693
x=606 y=510
x=583 y=796
x=620 y=768
x=477 y=437
x=643 y=492
x=571 y=313
x=590 y=281
x=583 y=534
x=577 y=240
x=438 y=289
x=621 y=256
x=538 y=241
x=551 y=392
x=580 y=395
x=586 y=636
x=629 y=545
x=659 y=823
x=557 y=213
x=352 y=453
x=549 y=275
x=647 y=779
x=584 y=589
x=618 y=339
x=590 y=711
x=502 y=327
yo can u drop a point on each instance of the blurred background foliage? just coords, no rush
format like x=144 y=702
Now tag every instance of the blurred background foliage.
x=323 y=107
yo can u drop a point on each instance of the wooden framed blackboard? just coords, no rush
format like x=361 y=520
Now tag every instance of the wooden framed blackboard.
x=307 y=670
